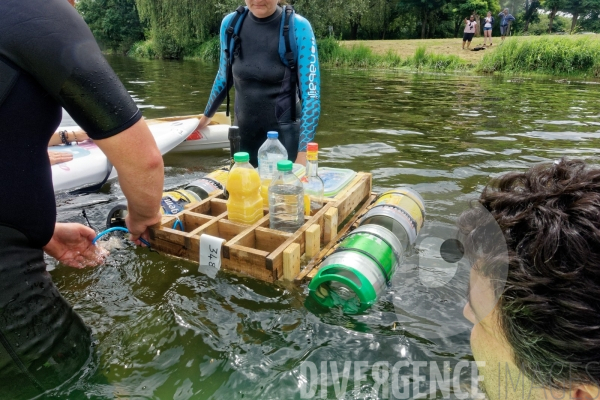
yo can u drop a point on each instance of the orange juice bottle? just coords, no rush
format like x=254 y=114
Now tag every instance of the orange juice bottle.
x=245 y=204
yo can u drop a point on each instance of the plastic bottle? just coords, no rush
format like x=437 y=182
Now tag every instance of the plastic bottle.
x=286 y=199
x=209 y=184
x=268 y=155
x=313 y=184
x=243 y=183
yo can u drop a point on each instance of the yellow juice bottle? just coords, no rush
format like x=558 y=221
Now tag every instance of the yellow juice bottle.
x=245 y=204
x=264 y=192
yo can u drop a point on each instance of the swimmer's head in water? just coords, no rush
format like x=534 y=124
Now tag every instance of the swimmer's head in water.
x=545 y=325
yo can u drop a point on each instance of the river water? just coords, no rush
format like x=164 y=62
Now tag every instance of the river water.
x=166 y=331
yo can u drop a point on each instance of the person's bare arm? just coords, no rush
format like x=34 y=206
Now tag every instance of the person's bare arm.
x=204 y=121
x=73 y=136
x=139 y=163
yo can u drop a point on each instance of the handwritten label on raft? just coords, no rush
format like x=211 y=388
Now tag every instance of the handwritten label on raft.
x=210 y=254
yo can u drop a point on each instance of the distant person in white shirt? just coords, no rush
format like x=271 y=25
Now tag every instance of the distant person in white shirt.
x=470 y=25
x=487 y=28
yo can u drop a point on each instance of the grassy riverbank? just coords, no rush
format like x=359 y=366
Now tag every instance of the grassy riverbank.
x=577 y=55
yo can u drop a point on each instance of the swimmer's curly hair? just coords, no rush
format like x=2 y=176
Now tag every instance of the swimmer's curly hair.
x=549 y=308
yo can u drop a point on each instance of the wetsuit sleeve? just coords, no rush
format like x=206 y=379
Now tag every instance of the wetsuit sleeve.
x=50 y=41
x=219 y=89
x=309 y=79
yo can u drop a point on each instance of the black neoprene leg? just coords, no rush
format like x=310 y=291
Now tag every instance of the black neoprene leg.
x=43 y=342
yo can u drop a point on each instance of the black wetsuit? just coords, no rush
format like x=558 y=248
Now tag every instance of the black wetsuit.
x=263 y=85
x=48 y=60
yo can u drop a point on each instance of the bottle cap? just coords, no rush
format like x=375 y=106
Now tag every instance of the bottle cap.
x=272 y=135
x=312 y=146
x=284 y=165
x=241 y=157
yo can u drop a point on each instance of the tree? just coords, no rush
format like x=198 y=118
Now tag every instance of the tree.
x=554 y=6
x=114 y=23
x=531 y=8
x=464 y=8
x=577 y=8
x=425 y=9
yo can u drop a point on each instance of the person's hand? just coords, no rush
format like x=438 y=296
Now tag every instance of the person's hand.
x=139 y=228
x=204 y=121
x=301 y=158
x=72 y=245
x=57 y=157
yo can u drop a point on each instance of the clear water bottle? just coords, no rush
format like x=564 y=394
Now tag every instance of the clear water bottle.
x=313 y=184
x=269 y=154
x=286 y=199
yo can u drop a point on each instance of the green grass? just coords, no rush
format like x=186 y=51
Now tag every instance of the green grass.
x=545 y=55
x=209 y=51
x=548 y=55
x=360 y=56
x=144 y=49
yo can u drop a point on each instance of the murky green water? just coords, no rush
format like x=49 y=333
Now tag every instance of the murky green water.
x=166 y=331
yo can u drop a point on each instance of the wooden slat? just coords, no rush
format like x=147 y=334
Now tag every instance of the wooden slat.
x=312 y=241
x=192 y=221
x=315 y=261
x=228 y=230
x=291 y=262
x=269 y=239
x=249 y=261
x=218 y=206
x=275 y=259
x=330 y=225
x=249 y=229
x=210 y=228
x=354 y=196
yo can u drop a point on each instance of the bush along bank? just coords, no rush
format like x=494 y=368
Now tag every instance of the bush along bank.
x=331 y=53
x=545 y=55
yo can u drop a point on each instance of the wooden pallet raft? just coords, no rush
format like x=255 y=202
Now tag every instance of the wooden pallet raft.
x=257 y=250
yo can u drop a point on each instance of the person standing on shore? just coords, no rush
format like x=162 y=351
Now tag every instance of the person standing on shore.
x=470 y=26
x=487 y=28
x=505 y=20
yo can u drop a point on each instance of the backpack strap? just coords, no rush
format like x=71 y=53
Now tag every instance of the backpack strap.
x=288 y=56
x=232 y=43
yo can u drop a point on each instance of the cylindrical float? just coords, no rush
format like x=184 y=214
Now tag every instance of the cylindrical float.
x=401 y=211
x=357 y=273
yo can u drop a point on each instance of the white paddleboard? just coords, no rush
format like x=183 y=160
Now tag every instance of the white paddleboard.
x=90 y=165
x=209 y=138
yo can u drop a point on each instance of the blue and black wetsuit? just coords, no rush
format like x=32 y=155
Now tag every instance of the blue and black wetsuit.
x=48 y=60
x=263 y=84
